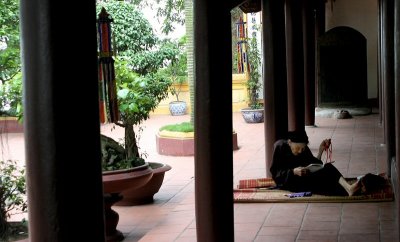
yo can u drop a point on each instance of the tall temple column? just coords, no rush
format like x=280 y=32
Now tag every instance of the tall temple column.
x=319 y=30
x=213 y=121
x=275 y=88
x=61 y=121
x=295 y=63
x=388 y=77
x=309 y=61
x=380 y=63
x=397 y=91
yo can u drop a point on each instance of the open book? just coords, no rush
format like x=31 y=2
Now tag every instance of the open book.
x=314 y=167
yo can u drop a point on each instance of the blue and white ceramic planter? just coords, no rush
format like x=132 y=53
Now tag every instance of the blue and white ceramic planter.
x=253 y=115
x=177 y=108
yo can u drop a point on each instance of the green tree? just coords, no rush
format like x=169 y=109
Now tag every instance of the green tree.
x=181 y=12
x=10 y=64
x=176 y=71
x=11 y=97
x=170 y=11
x=140 y=87
x=134 y=39
x=254 y=83
x=138 y=95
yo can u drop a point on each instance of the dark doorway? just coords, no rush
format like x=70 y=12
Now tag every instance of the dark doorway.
x=342 y=79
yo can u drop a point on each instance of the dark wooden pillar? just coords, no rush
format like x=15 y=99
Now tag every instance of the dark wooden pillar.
x=319 y=30
x=388 y=77
x=397 y=92
x=295 y=63
x=275 y=88
x=380 y=62
x=213 y=121
x=309 y=61
x=61 y=121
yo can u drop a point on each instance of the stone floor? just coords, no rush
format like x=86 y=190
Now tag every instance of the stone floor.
x=357 y=149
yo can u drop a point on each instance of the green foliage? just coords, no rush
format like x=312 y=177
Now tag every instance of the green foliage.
x=12 y=193
x=123 y=163
x=170 y=11
x=254 y=84
x=11 y=97
x=134 y=38
x=138 y=95
x=131 y=31
x=181 y=127
x=10 y=63
x=140 y=54
x=176 y=71
x=151 y=61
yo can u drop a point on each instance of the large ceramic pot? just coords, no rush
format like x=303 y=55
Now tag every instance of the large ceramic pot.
x=114 y=183
x=177 y=108
x=253 y=115
x=145 y=194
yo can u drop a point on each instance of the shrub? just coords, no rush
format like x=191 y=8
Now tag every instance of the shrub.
x=12 y=194
x=181 y=127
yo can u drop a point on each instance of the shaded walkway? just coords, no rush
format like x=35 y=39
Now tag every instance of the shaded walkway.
x=357 y=150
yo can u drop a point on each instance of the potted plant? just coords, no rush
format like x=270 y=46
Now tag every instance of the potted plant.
x=176 y=72
x=139 y=89
x=178 y=139
x=255 y=112
x=138 y=95
x=145 y=194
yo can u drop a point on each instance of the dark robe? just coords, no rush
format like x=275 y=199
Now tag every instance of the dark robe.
x=325 y=181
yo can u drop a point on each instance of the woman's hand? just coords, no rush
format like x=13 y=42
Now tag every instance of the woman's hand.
x=322 y=147
x=325 y=144
x=300 y=171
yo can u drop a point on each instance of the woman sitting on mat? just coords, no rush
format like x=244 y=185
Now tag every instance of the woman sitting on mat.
x=289 y=169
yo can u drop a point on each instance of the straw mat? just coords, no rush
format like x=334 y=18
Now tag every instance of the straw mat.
x=261 y=191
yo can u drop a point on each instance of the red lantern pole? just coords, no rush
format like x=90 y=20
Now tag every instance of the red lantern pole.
x=108 y=103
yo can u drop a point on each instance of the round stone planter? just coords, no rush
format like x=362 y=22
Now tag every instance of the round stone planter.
x=10 y=125
x=177 y=108
x=181 y=144
x=145 y=194
x=253 y=115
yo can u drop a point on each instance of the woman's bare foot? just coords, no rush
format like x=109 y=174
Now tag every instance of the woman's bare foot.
x=354 y=188
x=351 y=189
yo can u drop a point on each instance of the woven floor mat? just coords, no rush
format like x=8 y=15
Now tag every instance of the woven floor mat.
x=259 y=190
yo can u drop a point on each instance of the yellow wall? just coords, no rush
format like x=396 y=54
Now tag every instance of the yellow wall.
x=239 y=91
x=239 y=95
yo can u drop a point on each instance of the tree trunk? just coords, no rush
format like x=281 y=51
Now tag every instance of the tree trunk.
x=131 y=147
